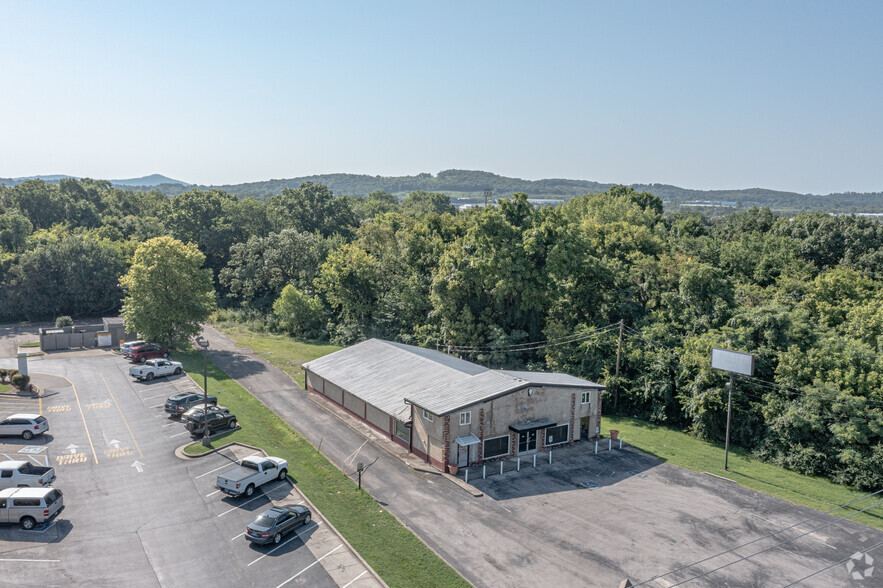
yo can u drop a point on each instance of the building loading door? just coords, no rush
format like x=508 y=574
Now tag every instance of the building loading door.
x=527 y=441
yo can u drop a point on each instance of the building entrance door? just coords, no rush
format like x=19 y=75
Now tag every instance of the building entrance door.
x=527 y=441
x=463 y=456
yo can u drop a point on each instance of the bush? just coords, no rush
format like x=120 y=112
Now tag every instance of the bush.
x=6 y=374
x=64 y=321
x=21 y=381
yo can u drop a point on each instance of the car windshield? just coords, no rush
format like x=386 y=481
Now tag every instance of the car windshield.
x=264 y=521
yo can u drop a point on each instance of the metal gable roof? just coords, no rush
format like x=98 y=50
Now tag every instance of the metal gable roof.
x=386 y=375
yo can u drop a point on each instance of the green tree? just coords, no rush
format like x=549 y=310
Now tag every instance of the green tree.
x=299 y=314
x=420 y=202
x=312 y=208
x=14 y=231
x=168 y=292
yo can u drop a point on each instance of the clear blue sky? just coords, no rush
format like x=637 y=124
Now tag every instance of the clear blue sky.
x=782 y=95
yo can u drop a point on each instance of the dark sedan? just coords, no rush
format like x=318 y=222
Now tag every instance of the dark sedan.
x=275 y=522
x=180 y=403
x=197 y=425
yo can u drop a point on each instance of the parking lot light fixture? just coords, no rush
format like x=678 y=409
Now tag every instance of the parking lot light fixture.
x=203 y=342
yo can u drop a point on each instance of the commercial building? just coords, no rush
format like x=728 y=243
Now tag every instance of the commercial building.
x=450 y=411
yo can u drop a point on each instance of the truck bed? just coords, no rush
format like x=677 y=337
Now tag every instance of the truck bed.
x=237 y=474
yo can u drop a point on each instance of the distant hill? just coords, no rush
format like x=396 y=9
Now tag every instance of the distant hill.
x=467 y=186
x=150 y=181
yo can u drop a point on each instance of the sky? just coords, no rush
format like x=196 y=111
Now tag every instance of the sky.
x=786 y=95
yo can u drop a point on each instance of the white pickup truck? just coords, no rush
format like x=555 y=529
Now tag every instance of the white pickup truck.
x=155 y=368
x=22 y=474
x=251 y=473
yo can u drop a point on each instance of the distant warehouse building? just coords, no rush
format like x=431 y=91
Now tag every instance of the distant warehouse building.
x=450 y=411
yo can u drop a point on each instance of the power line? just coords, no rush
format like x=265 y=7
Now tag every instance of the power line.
x=518 y=347
x=745 y=557
x=825 y=569
x=842 y=506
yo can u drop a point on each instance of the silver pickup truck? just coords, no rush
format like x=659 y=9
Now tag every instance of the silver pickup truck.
x=156 y=368
x=251 y=473
x=23 y=474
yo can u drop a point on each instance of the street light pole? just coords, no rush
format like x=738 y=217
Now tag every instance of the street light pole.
x=203 y=342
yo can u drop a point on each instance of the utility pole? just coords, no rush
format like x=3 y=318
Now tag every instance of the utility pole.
x=734 y=362
x=618 y=355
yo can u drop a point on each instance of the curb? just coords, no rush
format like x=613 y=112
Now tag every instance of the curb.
x=179 y=452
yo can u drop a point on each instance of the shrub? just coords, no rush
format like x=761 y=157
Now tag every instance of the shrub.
x=64 y=321
x=21 y=381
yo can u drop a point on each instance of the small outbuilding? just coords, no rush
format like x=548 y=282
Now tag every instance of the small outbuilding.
x=450 y=411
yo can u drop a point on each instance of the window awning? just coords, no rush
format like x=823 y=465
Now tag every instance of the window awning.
x=468 y=440
x=532 y=425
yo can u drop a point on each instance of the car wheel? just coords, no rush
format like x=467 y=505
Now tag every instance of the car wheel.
x=232 y=423
x=27 y=435
x=306 y=520
x=28 y=523
x=150 y=375
x=177 y=371
x=249 y=490
x=142 y=359
x=282 y=475
x=277 y=537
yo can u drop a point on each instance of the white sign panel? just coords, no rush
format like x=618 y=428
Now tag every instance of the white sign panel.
x=732 y=361
x=104 y=340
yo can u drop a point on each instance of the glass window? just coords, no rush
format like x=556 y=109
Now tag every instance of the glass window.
x=402 y=431
x=6 y=474
x=263 y=521
x=26 y=502
x=496 y=447
x=427 y=415
x=559 y=434
x=465 y=417
x=587 y=398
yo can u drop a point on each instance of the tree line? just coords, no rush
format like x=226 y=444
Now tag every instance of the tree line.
x=512 y=286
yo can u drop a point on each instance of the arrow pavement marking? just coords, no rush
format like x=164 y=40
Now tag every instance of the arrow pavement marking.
x=71 y=448
x=139 y=467
x=114 y=444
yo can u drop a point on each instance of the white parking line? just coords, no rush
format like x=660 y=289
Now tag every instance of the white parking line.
x=166 y=394
x=159 y=405
x=212 y=493
x=179 y=434
x=34 y=560
x=354 y=579
x=263 y=495
x=297 y=536
x=238 y=536
x=309 y=566
x=169 y=425
x=221 y=468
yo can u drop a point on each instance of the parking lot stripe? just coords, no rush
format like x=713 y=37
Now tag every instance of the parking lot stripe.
x=34 y=560
x=309 y=566
x=281 y=545
x=212 y=493
x=238 y=536
x=179 y=434
x=158 y=405
x=125 y=422
x=83 y=416
x=169 y=425
x=262 y=495
x=356 y=578
x=157 y=396
x=220 y=468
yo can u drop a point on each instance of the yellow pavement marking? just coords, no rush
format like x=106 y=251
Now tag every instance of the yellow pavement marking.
x=95 y=405
x=58 y=408
x=69 y=458
x=135 y=441
x=118 y=452
x=83 y=416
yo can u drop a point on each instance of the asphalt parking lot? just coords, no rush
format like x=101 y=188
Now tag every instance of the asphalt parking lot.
x=137 y=515
x=622 y=512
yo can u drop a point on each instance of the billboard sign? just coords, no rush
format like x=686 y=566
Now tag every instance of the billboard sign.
x=732 y=361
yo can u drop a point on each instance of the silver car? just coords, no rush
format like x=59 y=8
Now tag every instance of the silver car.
x=26 y=426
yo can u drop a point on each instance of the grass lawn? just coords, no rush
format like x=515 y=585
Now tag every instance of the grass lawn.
x=281 y=351
x=5 y=388
x=393 y=551
x=680 y=449
x=31 y=344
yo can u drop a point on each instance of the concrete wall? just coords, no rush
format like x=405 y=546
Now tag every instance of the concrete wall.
x=379 y=419
x=355 y=405
x=333 y=392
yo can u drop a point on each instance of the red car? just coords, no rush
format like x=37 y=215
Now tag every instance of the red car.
x=142 y=353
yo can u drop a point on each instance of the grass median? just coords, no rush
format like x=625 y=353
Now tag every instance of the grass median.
x=682 y=450
x=392 y=550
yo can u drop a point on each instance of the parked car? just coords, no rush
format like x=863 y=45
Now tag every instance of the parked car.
x=180 y=403
x=211 y=422
x=26 y=426
x=275 y=522
x=23 y=474
x=156 y=368
x=145 y=352
x=197 y=410
x=251 y=473
x=29 y=506
x=126 y=347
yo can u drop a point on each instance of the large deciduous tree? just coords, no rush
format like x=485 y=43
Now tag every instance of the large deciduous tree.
x=168 y=291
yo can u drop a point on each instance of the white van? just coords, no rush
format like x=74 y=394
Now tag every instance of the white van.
x=29 y=506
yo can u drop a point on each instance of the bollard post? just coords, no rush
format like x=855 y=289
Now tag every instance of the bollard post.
x=534 y=460
x=609 y=444
x=596 y=448
x=501 y=468
x=466 y=476
x=518 y=465
x=483 y=472
x=550 y=457
x=620 y=442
